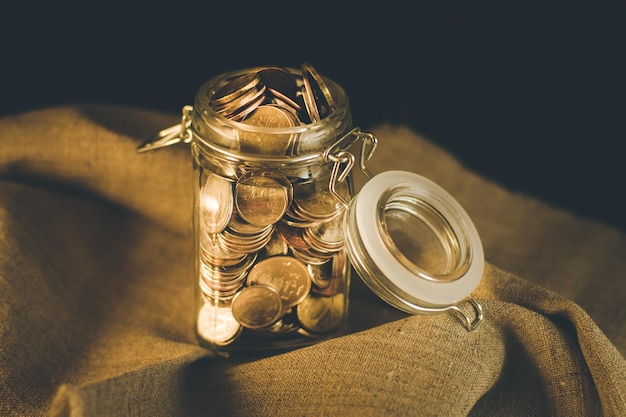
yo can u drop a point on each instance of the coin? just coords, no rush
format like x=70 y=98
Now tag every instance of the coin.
x=303 y=93
x=234 y=88
x=319 y=206
x=285 y=101
x=276 y=246
x=321 y=314
x=267 y=116
x=229 y=272
x=216 y=203
x=291 y=235
x=257 y=306
x=309 y=100
x=212 y=252
x=241 y=107
x=288 y=323
x=320 y=274
x=279 y=80
x=335 y=286
x=217 y=324
x=311 y=256
x=323 y=99
x=261 y=200
x=325 y=236
x=218 y=295
x=286 y=275
x=282 y=87
x=239 y=226
x=271 y=116
x=245 y=243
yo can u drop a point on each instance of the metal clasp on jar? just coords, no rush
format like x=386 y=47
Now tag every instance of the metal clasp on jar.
x=178 y=133
x=344 y=160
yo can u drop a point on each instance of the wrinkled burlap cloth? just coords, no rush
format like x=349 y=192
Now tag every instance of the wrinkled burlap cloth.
x=96 y=295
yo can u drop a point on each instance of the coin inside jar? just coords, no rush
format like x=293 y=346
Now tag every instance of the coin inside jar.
x=322 y=98
x=217 y=324
x=257 y=306
x=325 y=236
x=285 y=274
x=321 y=314
x=233 y=89
x=309 y=100
x=278 y=79
x=216 y=203
x=268 y=116
x=262 y=199
x=315 y=202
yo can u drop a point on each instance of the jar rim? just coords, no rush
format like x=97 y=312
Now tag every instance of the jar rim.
x=204 y=114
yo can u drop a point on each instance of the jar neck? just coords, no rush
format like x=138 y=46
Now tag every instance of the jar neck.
x=302 y=140
x=231 y=164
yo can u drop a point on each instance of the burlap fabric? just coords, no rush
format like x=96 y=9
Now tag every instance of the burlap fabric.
x=95 y=295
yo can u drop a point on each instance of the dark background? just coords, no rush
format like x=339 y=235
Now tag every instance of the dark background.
x=531 y=96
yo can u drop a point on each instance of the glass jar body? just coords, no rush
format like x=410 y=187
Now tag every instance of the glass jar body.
x=271 y=272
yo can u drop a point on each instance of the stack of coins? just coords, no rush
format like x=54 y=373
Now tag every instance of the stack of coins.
x=271 y=247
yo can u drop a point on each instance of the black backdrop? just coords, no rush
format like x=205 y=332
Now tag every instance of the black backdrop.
x=531 y=96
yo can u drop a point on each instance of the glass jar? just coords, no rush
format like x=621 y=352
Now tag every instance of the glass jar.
x=278 y=226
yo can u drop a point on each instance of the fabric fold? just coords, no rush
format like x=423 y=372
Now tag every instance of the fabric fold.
x=523 y=360
x=96 y=289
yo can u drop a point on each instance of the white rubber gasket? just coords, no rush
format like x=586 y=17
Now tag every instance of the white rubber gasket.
x=433 y=293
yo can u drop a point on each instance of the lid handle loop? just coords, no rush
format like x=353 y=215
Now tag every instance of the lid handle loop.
x=343 y=163
x=344 y=160
x=368 y=146
x=470 y=325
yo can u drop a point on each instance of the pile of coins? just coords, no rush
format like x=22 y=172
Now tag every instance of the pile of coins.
x=273 y=97
x=271 y=247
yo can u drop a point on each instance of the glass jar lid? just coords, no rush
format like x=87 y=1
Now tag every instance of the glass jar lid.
x=414 y=245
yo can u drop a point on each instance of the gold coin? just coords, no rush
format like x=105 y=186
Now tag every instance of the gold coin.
x=285 y=101
x=321 y=314
x=241 y=107
x=320 y=274
x=217 y=324
x=234 y=88
x=325 y=236
x=217 y=295
x=257 y=306
x=211 y=251
x=279 y=80
x=321 y=94
x=227 y=273
x=311 y=256
x=216 y=203
x=283 y=326
x=261 y=200
x=241 y=227
x=276 y=246
x=246 y=244
x=267 y=116
x=321 y=206
x=334 y=286
x=285 y=274
x=309 y=100
x=292 y=235
x=271 y=116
